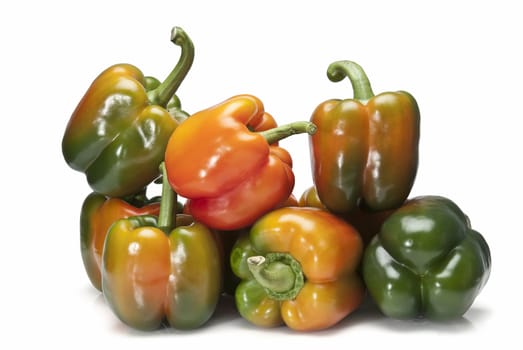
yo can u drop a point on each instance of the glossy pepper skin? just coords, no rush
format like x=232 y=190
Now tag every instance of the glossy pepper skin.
x=152 y=272
x=366 y=148
x=366 y=222
x=298 y=268
x=426 y=261
x=98 y=213
x=149 y=276
x=220 y=160
x=118 y=132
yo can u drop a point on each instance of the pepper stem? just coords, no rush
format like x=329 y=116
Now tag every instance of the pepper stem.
x=278 y=273
x=167 y=203
x=359 y=80
x=276 y=134
x=163 y=93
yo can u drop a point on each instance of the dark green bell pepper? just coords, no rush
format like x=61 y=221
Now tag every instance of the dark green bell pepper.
x=119 y=130
x=426 y=261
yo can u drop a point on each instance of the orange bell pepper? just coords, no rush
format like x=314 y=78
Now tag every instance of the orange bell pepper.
x=225 y=161
x=298 y=267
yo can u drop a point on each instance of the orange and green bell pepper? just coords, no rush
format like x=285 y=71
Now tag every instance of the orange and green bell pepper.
x=366 y=148
x=298 y=268
x=426 y=261
x=97 y=215
x=152 y=272
x=118 y=132
x=225 y=162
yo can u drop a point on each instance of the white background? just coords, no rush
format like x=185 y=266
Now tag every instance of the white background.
x=461 y=60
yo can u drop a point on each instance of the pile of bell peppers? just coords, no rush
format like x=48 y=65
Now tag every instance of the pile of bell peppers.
x=228 y=225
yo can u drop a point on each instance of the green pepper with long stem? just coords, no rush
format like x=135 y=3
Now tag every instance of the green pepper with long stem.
x=153 y=272
x=118 y=132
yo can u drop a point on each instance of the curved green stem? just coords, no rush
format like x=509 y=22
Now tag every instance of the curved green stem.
x=163 y=93
x=283 y=131
x=278 y=273
x=338 y=70
x=167 y=203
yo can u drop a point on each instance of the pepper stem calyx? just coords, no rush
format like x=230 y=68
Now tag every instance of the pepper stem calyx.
x=278 y=273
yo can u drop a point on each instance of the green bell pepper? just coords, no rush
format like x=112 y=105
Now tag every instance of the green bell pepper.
x=426 y=261
x=118 y=132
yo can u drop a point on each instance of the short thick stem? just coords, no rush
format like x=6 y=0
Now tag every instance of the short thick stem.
x=278 y=273
x=338 y=70
x=283 y=131
x=163 y=93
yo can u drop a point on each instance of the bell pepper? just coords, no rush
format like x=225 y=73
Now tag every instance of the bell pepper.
x=365 y=221
x=426 y=261
x=366 y=148
x=297 y=267
x=119 y=130
x=97 y=215
x=152 y=272
x=220 y=161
